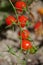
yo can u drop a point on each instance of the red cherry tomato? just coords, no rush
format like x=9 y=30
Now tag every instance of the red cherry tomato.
x=20 y=5
x=25 y=34
x=26 y=45
x=37 y=25
x=22 y=19
x=10 y=19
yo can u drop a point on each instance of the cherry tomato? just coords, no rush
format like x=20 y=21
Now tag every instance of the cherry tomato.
x=22 y=19
x=20 y=5
x=26 y=45
x=25 y=34
x=37 y=25
x=10 y=19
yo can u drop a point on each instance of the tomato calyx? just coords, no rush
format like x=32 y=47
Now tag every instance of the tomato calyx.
x=28 y=23
x=33 y=50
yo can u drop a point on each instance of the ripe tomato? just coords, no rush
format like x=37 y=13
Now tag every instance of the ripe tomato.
x=10 y=19
x=22 y=19
x=26 y=45
x=20 y=5
x=37 y=25
x=24 y=34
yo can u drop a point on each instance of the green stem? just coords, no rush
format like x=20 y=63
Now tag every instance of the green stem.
x=20 y=34
x=13 y=53
x=17 y=18
x=14 y=8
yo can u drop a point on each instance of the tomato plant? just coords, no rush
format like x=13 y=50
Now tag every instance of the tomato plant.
x=22 y=21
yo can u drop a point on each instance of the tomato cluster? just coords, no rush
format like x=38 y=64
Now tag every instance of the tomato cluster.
x=24 y=34
x=20 y=21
